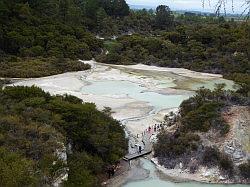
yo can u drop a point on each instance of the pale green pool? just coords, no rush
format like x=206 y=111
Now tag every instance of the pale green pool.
x=133 y=90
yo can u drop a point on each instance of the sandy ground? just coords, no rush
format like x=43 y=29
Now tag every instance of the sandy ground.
x=179 y=71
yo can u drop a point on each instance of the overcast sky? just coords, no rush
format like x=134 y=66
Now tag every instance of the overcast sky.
x=190 y=4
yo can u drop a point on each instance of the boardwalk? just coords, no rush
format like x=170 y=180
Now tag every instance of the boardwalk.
x=136 y=155
x=147 y=147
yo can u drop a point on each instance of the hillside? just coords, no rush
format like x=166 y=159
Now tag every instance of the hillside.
x=209 y=138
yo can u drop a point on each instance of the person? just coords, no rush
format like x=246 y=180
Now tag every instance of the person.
x=113 y=170
x=140 y=149
x=109 y=171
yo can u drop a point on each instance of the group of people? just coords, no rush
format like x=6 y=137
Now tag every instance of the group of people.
x=151 y=129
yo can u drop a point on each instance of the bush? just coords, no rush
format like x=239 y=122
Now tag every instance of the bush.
x=226 y=163
x=211 y=156
x=15 y=170
x=245 y=170
x=176 y=144
x=40 y=67
x=37 y=51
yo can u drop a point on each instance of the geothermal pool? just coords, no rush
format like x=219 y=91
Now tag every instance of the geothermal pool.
x=119 y=89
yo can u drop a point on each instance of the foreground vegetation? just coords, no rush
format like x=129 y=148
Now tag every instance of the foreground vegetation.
x=42 y=136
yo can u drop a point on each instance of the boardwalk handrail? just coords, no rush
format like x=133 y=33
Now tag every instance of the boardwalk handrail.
x=136 y=155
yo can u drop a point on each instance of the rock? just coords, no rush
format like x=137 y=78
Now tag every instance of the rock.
x=238 y=155
x=222 y=178
x=181 y=165
x=207 y=174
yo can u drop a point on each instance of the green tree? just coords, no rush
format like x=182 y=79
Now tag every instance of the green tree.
x=120 y=8
x=101 y=20
x=164 y=18
x=117 y=8
x=63 y=9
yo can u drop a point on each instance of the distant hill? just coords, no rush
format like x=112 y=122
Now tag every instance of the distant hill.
x=205 y=13
x=137 y=7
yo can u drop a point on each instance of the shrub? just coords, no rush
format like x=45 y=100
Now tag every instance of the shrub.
x=245 y=170
x=176 y=144
x=211 y=156
x=15 y=170
x=226 y=163
x=40 y=67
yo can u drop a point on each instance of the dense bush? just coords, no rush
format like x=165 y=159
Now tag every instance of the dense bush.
x=202 y=112
x=201 y=118
x=173 y=145
x=15 y=170
x=44 y=30
x=226 y=163
x=34 y=126
x=245 y=170
x=213 y=157
x=39 y=67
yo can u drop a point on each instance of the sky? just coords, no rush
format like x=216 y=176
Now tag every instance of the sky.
x=191 y=4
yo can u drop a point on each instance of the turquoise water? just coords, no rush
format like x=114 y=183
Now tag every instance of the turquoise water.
x=161 y=183
x=154 y=181
x=133 y=90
